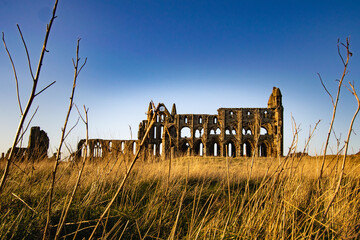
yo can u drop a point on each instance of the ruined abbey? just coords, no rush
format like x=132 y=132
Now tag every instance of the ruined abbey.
x=233 y=132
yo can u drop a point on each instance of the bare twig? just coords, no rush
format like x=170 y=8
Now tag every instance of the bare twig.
x=353 y=92
x=30 y=101
x=15 y=75
x=61 y=142
x=348 y=55
x=45 y=88
x=27 y=52
x=27 y=205
x=27 y=126
x=62 y=220
x=327 y=91
x=72 y=128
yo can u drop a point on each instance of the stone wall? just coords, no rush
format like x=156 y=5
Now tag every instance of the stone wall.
x=232 y=132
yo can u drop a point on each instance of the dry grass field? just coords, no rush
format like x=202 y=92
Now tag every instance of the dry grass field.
x=191 y=198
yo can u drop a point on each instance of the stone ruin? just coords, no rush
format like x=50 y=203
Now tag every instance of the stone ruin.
x=233 y=132
x=37 y=147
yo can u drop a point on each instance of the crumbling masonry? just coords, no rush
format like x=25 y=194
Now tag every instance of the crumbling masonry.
x=232 y=132
x=37 y=147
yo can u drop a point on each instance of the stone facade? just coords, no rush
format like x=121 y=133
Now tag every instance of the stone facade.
x=37 y=147
x=232 y=132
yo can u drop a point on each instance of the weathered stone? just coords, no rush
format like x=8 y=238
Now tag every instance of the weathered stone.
x=232 y=132
x=37 y=147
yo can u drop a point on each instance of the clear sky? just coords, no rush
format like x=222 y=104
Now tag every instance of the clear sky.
x=200 y=54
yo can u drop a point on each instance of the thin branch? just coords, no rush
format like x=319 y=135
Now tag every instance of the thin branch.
x=27 y=52
x=30 y=101
x=45 y=88
x=86 y=110
x=69 y=148
x=339 y=52
x=62 y=220
x=27 y=205
x=72 y=128
x=15 y=75
x=348 y=55
x=52 y=184
x=322 y=83
x=82 y=66
x=353 y=92
x=27 y=126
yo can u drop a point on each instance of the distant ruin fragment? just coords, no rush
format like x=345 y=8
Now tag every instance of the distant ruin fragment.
x=37 y=147
x=232 y=132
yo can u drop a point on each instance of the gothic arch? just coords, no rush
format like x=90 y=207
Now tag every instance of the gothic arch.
x=230 y=149
x=248 y=148
x=199 y=148
x=264 y=149
x=213 y=147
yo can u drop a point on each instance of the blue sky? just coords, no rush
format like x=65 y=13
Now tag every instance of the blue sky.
x=202 y=55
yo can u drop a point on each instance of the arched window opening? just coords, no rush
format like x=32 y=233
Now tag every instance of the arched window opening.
x=215 y=149
x=94 y=153
x=231 y=114
x=83 y=150
x=227 y=132
x=197 y=133
x=198 y=148
x=88 y=151
x=160 y=149
x=218 y=132
x=185 y=132
x=154 y=149
x=110 y=146
x=200 y=119
x=161 y=131
x=100 y=150
x=262 y=150
x=122 y=146
x=185 y=119
x=230 y=148
x=215 y=120
x=157 y=118
x=246 y=131
x=263 y=131
x=266 y=114
x=212 y=132
x=247 y=149
x=154 y=132
x=97 y=150
x=162 y=117
x=184 y=147
x=248 y=113
x=134 y=148
x=233 y=132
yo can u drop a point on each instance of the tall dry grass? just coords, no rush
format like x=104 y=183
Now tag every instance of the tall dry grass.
x=210 y=198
